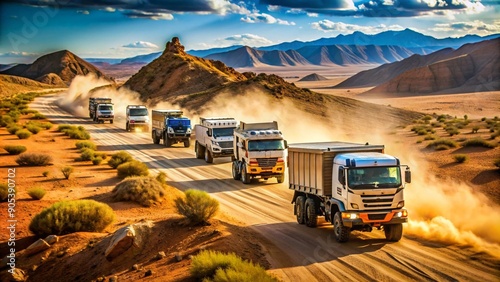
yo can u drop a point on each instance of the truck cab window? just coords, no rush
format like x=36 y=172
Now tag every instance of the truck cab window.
x=138 y=112
x=265 y=145
x=377 y=177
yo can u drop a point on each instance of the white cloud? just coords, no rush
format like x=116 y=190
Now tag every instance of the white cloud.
x=264 y=18
x=149 y=15
x=224 y=7
x=110 y=9
x=84 y=12
x=463 y=28
x=244 y=39
x=18 y=57
x=340 y=27
x=312 y=15
x=273 y=8
x=141 y=44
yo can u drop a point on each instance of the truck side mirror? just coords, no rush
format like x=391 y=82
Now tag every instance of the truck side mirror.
x=342 y=175
x=286 y=144
x=407 y=176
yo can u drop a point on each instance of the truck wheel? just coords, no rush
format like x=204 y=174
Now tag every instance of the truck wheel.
x=111 y=121
x=156 y=140
x=236 y=173
x=245 y=178
x=280 y=178
x=199 y=150
x=311 y=217
x=340 y=232
x=187 y=143
x=393 y=232
x=299 y=209
x=208 y=156
x=166 y=141
x=127 y=127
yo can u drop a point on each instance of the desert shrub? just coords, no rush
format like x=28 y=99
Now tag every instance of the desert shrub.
x=36 y=193
x=442 y=147
x=5 y=120
x=211 y=265
x=33 y=128
x=495 y=134
x=419 y=141
x=85 y=144
x=443 y=142
x=101 y=155
x=475 y=129
x=451 y=130
x=497 y=162
x=28 y=111
x=38 y=116
x=80 y=134
x=45 y=173
x=119 y=158
x=197 y=206
x=132 y=168
x=33 y=159
x=63 y=127
x=460 y=158
x=72 y=216
x=162 y=177
x=430 y=137
x=478 y=142
x=143 y=190
x=86 y=154
x=14 y=114
x=67 y=171
x=14 y=150
x=44 y=125
x=23 y=134
x=4 y=192
x=13 y=128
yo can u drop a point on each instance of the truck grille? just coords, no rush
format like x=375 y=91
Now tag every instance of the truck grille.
x=271 y=162
x=226 y=144
x=377 y=201
x=377 y=216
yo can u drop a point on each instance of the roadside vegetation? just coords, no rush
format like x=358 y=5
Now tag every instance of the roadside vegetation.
x=143 y=190
x=196 y=206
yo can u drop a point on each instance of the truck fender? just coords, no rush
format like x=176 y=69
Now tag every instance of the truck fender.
x=335 y=204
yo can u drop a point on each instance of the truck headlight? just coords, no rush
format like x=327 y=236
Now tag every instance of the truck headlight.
x=403 y=213
x=349 y=215
x=188 y=131
x=215 y=143
x=354 y=206
x=170 y=130
x=401 y=204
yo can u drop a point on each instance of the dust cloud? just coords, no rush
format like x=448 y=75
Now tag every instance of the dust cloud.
x=440 y=210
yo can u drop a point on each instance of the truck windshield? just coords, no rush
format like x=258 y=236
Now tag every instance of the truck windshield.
x=374 y=177
x=178 y=122
x=265 y=145
x=105 y=108
x=221 y=132
x=138 y=112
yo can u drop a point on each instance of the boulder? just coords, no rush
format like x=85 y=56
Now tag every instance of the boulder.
x=13 y=275
x=39 y=246
x=51 y=239
x=126 y=237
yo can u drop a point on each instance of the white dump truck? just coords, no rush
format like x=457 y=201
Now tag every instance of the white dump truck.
x=171 y=126
x=101 y=109
x=214 y=138
x=354 y=186
x=259 y=151
x=137 y=118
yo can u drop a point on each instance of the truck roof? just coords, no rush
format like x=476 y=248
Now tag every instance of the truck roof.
x=363 y=159
x=136 y=107
x=334 y=146
x=258 y=126
x=218 y=122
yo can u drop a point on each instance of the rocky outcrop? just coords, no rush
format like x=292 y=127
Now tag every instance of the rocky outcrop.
x=313 y=77
x=127 y=237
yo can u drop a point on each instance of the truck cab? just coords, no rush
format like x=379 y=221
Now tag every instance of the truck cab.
x=259 y=150
x=214 y=138
x=171 y=126
x=137 y=118
x=104 y=112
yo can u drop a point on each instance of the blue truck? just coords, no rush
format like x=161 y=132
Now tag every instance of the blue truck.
x=171 y=126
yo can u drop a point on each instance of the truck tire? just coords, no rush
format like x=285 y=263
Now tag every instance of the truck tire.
x=340 y=232
x=311 y=217
x=280 y=178
x=166 y=141
x=127 y=127
x=111 y=121
x=187 y=143
x=300 y=203
x=208 y=156
x=393 y=232
x=236 y=173
x=245 y=178
x=199 y=151
x=156 y=140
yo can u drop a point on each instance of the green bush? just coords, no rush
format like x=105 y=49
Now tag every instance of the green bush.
x=23 y=134
x=475 y=129
x=80 y=134
x=478 y=142
x=96 y=160
x=85 y=144
x=63 y=127
x=4 y=192
x=33 y=159
x=162 y=177
x=14 y=114
x=132 y=168
x=452 y=130
x=44 y=125
x=28 y=111
x=211 y=265
x=67 y=171
x=13 y=128
x=443 y=142
x=45 y=173
x=36 y=193
x=5 y=120
x=143 y=190
x=86 y=155
x=33 y=128
x=460 y=158
x=119 y=158
x=72 y=216
x=101 y=155
x=38 y=116
x=197 y=206
x=14 y=150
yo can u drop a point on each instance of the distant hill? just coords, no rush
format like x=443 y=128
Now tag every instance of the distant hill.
x=472 y=68
x=10 y=85
x=313 y=77
x=146 y=59
x=312 y=55
x=63 y=64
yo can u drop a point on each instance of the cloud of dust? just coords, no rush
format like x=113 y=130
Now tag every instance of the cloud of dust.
x=440 y=210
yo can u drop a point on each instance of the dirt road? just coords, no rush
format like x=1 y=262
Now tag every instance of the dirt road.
x=297 y=253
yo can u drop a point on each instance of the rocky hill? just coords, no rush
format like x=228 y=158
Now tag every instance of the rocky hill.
x=313 y=77
x=62 y=64
x=472 y=68
x=10 y=85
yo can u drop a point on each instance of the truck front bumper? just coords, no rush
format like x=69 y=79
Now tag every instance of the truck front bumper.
x=105 y=118
x=266 y=171
x=351 y=219
x=178 y=136
x=222 y=152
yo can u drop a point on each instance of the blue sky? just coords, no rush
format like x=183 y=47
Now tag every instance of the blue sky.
x=125 y=28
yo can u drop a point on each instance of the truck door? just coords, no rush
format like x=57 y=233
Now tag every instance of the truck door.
x=339 y=184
